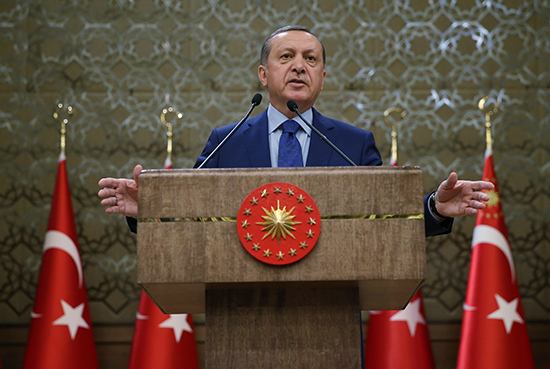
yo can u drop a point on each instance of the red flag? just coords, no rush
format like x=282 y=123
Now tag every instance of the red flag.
x=399 y=339
x=494 y=334
x=162 y=341
x=61 y=330
x=168 y=161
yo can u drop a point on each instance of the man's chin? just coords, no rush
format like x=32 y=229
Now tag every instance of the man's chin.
x=303 y=100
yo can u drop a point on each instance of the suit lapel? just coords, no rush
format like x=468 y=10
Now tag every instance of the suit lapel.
x=256 y=141
x=319 y=152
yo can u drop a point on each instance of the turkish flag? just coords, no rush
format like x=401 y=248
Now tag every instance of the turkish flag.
x=61 y=330
x=168 y=161
x=162 y=341
x=494 y=334
x=399 y=339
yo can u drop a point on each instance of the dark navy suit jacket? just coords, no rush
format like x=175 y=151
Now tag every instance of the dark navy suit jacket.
x=249 y=148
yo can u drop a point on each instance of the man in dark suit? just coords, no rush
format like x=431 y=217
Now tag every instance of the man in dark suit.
x=292 y=68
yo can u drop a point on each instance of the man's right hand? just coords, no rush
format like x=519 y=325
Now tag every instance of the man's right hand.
x=120 y=195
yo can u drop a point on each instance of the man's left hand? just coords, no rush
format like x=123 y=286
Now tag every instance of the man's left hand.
x=456 y=198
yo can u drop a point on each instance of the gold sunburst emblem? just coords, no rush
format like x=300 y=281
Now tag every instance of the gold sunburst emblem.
x=288 y=235
x=278 y=223
x=494 y=198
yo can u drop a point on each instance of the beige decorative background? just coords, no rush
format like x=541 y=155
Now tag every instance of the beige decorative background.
x=119 y=62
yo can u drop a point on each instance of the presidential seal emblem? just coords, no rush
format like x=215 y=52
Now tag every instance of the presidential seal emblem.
x=278 y=223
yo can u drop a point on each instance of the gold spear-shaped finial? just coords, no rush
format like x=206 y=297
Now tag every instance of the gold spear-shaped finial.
x=488 y=113
x=402 y=114
x=170 y=111
x=63 y=122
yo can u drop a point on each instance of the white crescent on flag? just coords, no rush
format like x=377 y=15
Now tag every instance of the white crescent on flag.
x=487 y=234
x=141 y=317
x=59 y=240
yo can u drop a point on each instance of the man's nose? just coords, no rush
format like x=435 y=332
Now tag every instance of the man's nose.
x=299 y=64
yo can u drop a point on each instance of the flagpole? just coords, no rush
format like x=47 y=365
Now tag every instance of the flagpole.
x=488 y=113
x=169 y=132
x=63 y=122
x=494 y=332
x=402 y=114
x=60 y=333
x=399 y=338
x=163 y=341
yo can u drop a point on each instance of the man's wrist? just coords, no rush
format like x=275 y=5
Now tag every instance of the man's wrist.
x=433 y=208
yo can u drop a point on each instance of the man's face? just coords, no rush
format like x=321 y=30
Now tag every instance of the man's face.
x=294 y=70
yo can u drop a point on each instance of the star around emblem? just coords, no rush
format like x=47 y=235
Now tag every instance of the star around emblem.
x=286 y=224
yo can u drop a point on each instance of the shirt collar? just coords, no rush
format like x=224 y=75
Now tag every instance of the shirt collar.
x=275 y=118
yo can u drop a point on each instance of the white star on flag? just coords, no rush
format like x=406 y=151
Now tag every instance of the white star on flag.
x=507 y=312
x=411 y=315
x=177 y=322
x=72 y=318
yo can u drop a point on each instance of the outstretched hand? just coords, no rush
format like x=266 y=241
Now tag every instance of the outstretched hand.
x=120 y=195
x=456 y=198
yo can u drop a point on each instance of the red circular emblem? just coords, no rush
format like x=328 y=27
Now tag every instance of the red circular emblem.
x=278 y=223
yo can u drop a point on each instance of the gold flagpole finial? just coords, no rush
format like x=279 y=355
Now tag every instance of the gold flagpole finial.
x=482 y=104
x=63 y=122
x=402 y=114
x=163 y=118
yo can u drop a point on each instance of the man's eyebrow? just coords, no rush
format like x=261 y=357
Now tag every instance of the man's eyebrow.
x=292 y=49
x=311 y=51
x=283 y=49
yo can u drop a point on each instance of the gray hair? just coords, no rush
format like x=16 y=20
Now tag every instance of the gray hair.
x=266 y=48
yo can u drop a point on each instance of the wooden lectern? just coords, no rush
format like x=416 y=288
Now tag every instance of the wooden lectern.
x=370 y=255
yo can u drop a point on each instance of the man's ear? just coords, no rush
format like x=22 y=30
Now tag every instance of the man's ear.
x=262 y=75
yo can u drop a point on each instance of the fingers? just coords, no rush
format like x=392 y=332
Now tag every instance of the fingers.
x=476 y=205
x=471 y=211
x=450 y=182
x=108 y=182
x=137 y=170
x=482 y=185
x=106 y=192
x=112 y=205
x=482 y=196
x=109 y=201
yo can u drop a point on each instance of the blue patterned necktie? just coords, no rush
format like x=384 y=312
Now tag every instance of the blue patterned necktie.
x=290 y=150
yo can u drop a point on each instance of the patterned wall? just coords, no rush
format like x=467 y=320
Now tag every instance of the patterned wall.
x=119 y=62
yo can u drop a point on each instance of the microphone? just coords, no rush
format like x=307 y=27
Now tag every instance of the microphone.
x=292 y=106
x=256 y=100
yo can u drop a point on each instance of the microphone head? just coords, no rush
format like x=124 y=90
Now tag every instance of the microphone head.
x=292 y=106
x=257 y=99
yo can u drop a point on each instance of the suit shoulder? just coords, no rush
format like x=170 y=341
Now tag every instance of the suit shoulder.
x=224 y=130
x=343 y=128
